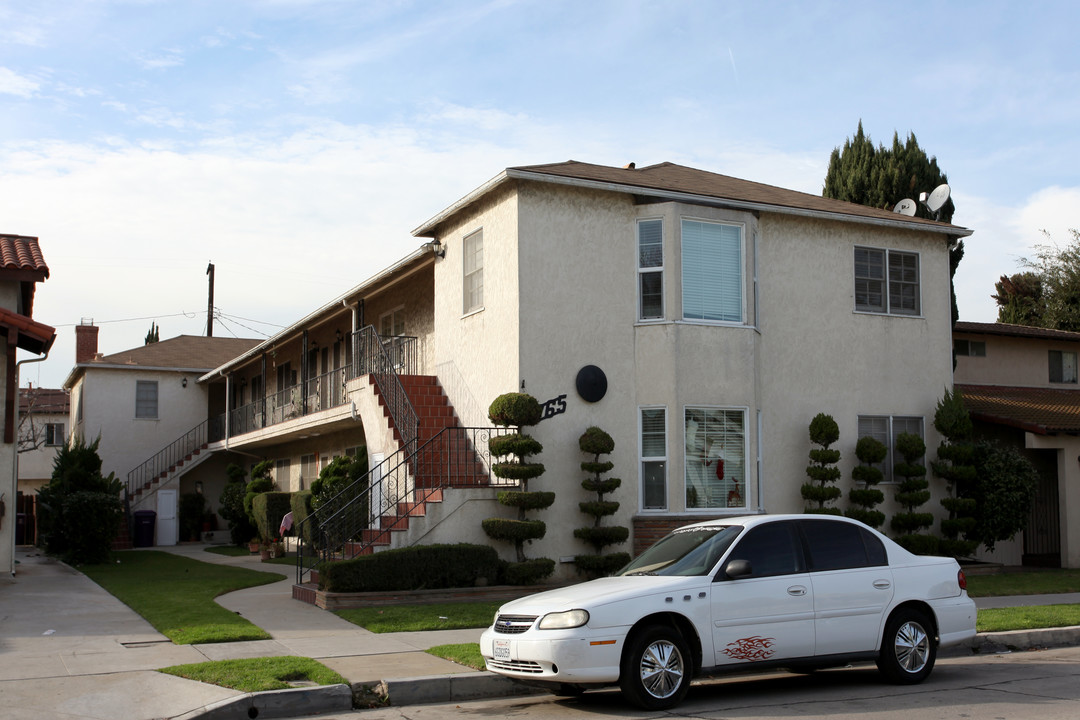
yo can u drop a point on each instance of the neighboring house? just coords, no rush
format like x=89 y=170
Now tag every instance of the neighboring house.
x=43 y=423
x=695 y=317
x=151 y=417
x=1020 y=385
x=22 y=266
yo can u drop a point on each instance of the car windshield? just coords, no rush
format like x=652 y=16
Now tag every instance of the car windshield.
x=686 y=551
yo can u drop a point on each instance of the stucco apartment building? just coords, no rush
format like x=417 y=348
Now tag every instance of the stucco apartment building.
x=43 y=424
x=693 y=316
x=22 y=267
x=1020 y=385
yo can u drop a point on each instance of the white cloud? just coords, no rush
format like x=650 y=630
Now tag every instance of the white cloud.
x=11 y=83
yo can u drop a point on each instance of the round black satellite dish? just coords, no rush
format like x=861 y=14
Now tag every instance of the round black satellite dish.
x=591 y=383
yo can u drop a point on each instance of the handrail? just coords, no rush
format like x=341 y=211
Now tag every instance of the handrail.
x=167 y=458
x=382 y=359
x=455 y=457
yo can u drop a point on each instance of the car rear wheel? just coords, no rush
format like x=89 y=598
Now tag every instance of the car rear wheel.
x=908 y=650
x=656 y=668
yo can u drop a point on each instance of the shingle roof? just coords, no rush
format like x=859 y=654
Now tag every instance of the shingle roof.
x=44 y=400
x=1039 y=410
x=1007 y=330
x=194 y=352
x=677 y=180
x=18 y=252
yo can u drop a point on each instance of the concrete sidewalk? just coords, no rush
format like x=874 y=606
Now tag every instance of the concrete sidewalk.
x=68 y=649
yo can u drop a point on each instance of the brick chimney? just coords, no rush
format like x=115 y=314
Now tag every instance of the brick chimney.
x=85 y=341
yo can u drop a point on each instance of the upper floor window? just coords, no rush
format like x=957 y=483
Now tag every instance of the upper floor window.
x=712 y=271
x=650 y=269
x=473 y=269
x=392 y=324
x=146 y=399
x=1062 y=367
x=886 y=281
x=886 y=429
x=54 y=433
x=969 y=348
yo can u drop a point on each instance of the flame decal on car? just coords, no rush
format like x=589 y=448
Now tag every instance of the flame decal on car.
x=751 y=649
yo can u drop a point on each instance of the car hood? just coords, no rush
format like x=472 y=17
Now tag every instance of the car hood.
x=597 y=593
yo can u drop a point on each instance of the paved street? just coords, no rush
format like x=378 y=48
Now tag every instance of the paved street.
x=1032 y=685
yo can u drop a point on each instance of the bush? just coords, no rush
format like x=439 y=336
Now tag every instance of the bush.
x=528 y=572
x=300 y=505
x=414 y=568
x=231 y=506
x=823 y=472
x=93 y=521
x=515 y=531
x=269 y=508
x=595 y=442
x=1004 y=493
x=515 y=409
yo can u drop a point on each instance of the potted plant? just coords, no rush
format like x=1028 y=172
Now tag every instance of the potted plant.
x=253 y=545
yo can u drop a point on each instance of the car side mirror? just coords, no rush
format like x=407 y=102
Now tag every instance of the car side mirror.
x=739 y=568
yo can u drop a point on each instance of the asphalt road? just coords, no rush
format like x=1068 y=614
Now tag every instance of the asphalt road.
x=1032 y=685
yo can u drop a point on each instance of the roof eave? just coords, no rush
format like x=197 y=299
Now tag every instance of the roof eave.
x=428 y=228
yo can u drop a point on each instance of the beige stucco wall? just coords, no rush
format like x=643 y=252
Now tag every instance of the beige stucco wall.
x=36 y=466
x=1011 y=361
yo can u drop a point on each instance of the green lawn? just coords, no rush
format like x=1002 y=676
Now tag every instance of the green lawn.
x=176 y=594
x=1027 y=618
x=412 y=618
x=258 y=674
x=1028 y=582
x=467 y=654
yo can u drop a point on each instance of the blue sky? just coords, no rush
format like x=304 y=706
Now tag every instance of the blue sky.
x=296 y=143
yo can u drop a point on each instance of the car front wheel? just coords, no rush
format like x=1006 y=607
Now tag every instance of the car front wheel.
x=656 y=669
x=908 y=650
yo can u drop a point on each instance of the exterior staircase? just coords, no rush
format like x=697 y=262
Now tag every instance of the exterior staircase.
x=175 y=459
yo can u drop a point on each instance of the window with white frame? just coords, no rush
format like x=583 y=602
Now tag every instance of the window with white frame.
x=969 y=348
x=308 y=471
x=712 y=271
x=887 y=281
x=473 y=272
x=54 y=433
x=715 y=465
x=283 y=473
x=146 y=399
x=653 y=458
x=1062 y=367
x=886 y=429
x=392 y=324
x=650 y=269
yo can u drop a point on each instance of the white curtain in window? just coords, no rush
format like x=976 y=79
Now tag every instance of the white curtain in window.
x=715 y=458
x=712 y=264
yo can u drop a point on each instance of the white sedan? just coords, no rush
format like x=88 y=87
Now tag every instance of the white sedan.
x=738 y=594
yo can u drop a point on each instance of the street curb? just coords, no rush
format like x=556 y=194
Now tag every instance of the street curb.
x=430 y=689
x=1025 y=639
x=294 y=702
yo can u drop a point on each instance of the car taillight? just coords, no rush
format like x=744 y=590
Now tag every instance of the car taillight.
x=961 y=580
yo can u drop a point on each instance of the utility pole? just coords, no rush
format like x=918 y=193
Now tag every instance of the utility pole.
x=210 y=302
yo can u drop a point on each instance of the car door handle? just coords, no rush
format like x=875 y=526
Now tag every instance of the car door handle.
x=882 y=584
x=796 y=590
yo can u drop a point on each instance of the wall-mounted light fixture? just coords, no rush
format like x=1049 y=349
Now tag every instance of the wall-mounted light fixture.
x=340 y=336
x=437 y=248
x=183 y=382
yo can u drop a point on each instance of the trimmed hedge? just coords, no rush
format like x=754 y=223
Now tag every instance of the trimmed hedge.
x=269 y=508
x=529 y=572
x=414 y=568
x=300 y=505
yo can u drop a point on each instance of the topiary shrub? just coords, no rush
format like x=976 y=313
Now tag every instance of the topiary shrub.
x=514 y=450
x=870 y=452
x=596 y=442
x=300 y=506
x=956 y=465
x=231 y=506
x=413 y=568
x=823 y=471
x=912 y=493
x=261 y=482
x=190 y=514
x=269 y=508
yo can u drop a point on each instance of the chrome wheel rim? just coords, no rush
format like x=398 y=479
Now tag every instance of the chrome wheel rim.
x=912 y=646
x=661 y=669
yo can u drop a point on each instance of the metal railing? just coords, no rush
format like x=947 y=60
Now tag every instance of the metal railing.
x=364 y=513
x=176 y=452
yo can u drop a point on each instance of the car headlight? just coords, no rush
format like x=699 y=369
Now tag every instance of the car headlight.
x=564 y=620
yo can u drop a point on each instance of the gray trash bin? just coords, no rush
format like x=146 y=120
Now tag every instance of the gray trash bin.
x=145 y=520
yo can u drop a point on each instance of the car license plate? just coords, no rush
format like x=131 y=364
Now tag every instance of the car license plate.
x=502 y=649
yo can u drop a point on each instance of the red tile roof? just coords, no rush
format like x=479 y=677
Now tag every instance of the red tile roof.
x=1044 y=411
x=1007 y=330
x=18 y=252
x=44 y=400
x=33 y=336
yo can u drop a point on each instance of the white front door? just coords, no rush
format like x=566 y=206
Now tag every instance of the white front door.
x=377 y=495
x=166 y=517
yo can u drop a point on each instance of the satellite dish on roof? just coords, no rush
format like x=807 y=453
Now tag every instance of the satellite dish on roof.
x=938 y=197
x=905 y=207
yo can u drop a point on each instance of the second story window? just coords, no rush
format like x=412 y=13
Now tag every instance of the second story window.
x=969 y=348
x=650 y=269
x=473 y=269
x=886 y=281
x=1062 y=367
x=54 y=433
x=712 y=271
x=146 y=399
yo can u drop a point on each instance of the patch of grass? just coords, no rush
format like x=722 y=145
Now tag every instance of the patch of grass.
x=1027 y=618
x=1028 y=582
x=176 y=594
x=229 y=550
x=258 y=674
x=467 y=654
x=414 y=618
